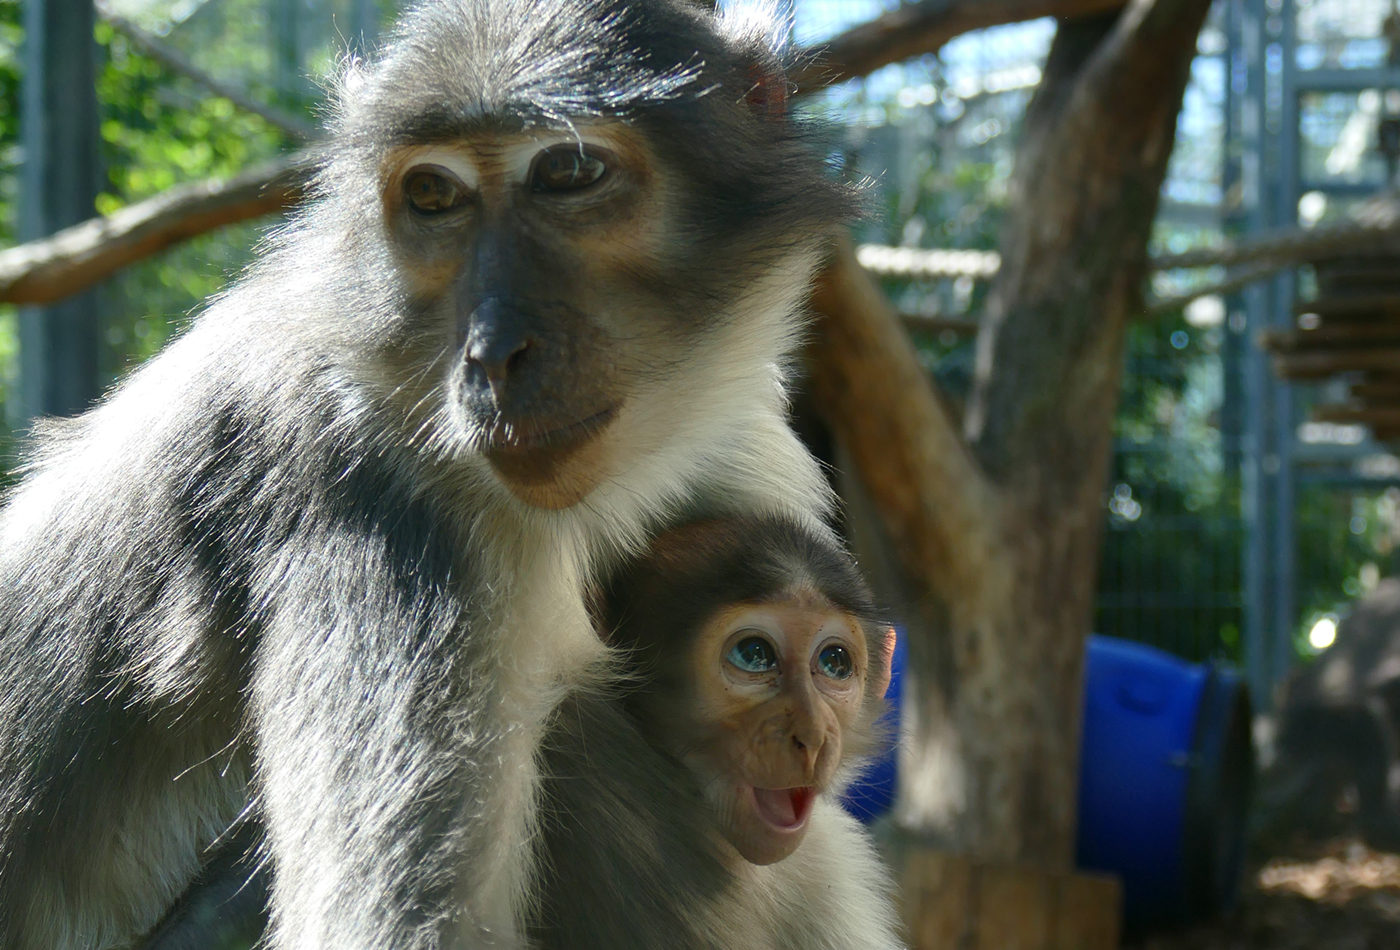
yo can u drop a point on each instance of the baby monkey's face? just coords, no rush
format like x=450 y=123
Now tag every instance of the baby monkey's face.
x=780 y=682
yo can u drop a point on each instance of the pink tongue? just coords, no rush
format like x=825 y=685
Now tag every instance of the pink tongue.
x=777 y=805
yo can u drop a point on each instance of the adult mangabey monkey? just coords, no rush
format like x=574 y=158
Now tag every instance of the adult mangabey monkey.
x=329 y=550
x=697 y=810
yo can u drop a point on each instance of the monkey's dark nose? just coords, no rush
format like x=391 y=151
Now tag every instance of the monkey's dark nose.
x=497 y=341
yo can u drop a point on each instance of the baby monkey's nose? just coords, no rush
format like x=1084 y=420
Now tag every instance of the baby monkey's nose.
x=807 y=746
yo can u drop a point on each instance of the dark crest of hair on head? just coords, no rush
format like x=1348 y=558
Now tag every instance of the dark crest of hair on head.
x=713 y=564
x=690 y=78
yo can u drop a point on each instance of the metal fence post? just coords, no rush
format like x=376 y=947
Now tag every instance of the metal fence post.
x=60 y=180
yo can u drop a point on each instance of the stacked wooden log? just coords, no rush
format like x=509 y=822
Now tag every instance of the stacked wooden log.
x=1351 y=331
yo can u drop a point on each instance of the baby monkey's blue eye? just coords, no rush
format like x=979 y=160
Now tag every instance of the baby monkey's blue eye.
x=754 y=655
x=835 y=661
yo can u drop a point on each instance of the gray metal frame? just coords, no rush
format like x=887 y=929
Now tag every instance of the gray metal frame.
x=1264 y=140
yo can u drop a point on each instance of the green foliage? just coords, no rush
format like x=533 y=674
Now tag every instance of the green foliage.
x=158 y=130
x=1172 y=566
x=11 y=36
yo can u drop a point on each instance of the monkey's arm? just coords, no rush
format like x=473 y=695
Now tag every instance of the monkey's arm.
x=375 y=725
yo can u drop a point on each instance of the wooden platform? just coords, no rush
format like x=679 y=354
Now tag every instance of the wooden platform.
x=1351 y=331
x=951 y=902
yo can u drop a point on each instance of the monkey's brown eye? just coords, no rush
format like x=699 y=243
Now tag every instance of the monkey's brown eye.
x=567 y=168
x=834 y=661
x=429 y=193
x=753 y=655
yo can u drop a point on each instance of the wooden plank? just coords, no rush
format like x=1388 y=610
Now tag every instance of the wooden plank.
x=1358 y=276
x=1330 y=336
x=1314 y=365
x=938 y=900
x=1377 y=392
x=1089 y=912
x=952 y=902
x=1382 y=416
x=1357 y=307
x=1016 y=909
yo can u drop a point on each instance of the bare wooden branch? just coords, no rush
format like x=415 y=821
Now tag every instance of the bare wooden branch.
x=75 y=258
x=923 y=27
x=1289 y=247
x=295 y=126
x=1237 y=281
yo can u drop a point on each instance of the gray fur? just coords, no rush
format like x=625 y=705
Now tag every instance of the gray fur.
x=269 y=569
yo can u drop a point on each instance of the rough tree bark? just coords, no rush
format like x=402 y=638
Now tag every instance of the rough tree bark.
x=997 y=522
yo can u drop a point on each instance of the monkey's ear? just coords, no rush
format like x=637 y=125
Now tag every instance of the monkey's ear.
x=768 y=92
x=884 y=649
x=760 y=33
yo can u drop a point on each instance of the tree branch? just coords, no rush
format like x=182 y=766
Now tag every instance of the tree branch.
x=75 y=258
x=295 y=126
x=866 y=381
x=1289 y=246
x=916 y=28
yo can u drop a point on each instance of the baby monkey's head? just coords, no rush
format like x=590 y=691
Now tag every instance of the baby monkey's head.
x=764 y=663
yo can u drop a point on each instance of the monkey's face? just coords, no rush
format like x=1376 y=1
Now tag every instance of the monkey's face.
x=533 y=260
x=777 y=685
x=577 y=236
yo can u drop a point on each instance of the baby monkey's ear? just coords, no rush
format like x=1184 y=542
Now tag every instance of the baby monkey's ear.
x=882 y=662
x=760 y=32
x=768 y=95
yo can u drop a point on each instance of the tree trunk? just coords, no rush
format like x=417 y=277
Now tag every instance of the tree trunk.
x=997 y=527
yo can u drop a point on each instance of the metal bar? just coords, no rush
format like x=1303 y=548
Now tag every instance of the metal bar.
x=60 y=180
x=1248 y=19
x=1285 y=540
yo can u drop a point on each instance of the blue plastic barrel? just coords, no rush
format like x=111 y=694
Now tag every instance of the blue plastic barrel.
x=873 y=795
x=1165 y=769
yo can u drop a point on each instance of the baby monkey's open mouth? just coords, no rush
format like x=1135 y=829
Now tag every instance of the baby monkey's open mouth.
x=784 y=808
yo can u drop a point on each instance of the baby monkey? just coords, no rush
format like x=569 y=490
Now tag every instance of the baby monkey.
x=690 y=803
x=697 y=808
